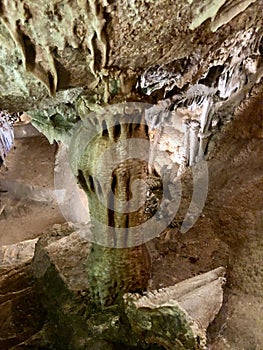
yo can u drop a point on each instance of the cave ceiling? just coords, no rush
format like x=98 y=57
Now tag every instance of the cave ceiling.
x=58 y=56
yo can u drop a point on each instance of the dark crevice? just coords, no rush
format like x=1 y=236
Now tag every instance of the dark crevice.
x=130 y=129
x=1 y=8
x=212 y=77
x=98 y=9
x=116 y=131
x=97 y=53
x=111 y=212
x=105 y=131
x=87 y=7
x=28 y=14
x=137 y=126
x=111 y=220
x=207 y=147
x=82 y=181
x=51 y=83
x=175 y=91
x=57 y=13
x=75 y=29
x=260 y=47
x=30 y=49
x=91 y=184
x=128 y=191
x=126 y=235
x=104 y=33
x=127 y=221
x=56 y=119
x=114 y=183
x=63 y=76
x=155 y=173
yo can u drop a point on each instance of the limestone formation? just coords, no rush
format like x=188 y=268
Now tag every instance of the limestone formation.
x=16 y=254
x=107 y=169
x=21 y=315
x=177 y=317
x=194 y=62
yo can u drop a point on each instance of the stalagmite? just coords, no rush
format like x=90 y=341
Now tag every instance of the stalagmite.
x=113 y=179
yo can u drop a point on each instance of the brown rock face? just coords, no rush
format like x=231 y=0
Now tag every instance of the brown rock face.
x=236 y=209
x=21 y=316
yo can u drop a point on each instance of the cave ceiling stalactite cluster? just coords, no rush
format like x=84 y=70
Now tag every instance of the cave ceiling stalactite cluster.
x=47 y=48
x=203 y=59
x=196 y=68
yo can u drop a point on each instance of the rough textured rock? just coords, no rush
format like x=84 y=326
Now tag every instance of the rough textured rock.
x=65 y=294
x=237 y=205
x=60 y=267
x=61 y=60
x=104 y=47
x=21 y=315
x=177 y=317
x=16 y=254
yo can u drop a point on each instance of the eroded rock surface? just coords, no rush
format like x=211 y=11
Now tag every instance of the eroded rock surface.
x=62 y=293
x=105 y=47
x=237 y=211
x=196 y=60
x=177 y=317
x=21 y=315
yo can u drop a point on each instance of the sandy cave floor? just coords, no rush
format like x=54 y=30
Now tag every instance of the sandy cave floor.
x=26 y=213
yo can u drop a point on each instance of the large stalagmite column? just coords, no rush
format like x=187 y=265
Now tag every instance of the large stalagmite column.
x=111 y=168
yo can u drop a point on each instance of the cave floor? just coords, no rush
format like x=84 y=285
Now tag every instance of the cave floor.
x=27 y=198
